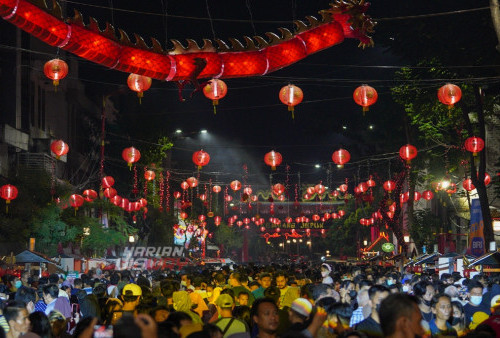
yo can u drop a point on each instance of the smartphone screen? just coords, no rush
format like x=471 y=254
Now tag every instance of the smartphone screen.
x=103 y=331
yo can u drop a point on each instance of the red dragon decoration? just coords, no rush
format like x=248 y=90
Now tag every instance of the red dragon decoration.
x=258 y=56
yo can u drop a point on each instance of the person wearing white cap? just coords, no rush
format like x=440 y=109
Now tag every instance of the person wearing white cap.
x=326 y=269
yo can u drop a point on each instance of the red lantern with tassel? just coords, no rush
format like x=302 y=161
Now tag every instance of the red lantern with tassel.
x=107 y=182
x=139 y=84
x=273 y=159
x=449 y=94
x=389 y=186
x=110 y=192
x=192 y=181
x=76 y=201
x=291 y=96
x=131 y=155
x=89 y=195
x=215 y=90
x=59 y=147
x=216 y=189
x=408 y=153
x=8 y=192
x=55 y=69
x=365 y=96
x=341 y=157
x=474 y=145
x=201 y=158
x=235 y=185
x=149 y=175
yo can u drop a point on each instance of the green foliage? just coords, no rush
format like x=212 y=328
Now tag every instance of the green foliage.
x=101 y=238
x=161 y=233
x=158 y=153
x=423 y=230
x=230 y=237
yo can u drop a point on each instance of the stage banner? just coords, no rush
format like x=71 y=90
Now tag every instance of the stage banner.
x=476 y=237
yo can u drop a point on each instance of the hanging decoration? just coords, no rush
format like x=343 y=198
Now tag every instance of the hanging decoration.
x=166 y=184
x=59 y=148
x=149 y=175
x=116 y=200
x=467 y=184
x=291 y=95
x=107 y=182
x=192 y=182
x=139 y=84
x=215 y=90
x=273 y=159
x=76 y=201
x=278 y=189
x=408 y=153
x=474 y=144
x=8 y=192
x=110 y=192
x=365 y=96
x=55 y=69
x=235 y=185
x=449 y=94
x=89 y=195
x=201 y=158
x=216 y=189
x=389 y=186
x=131 y=155
x=184 y=185
x=162 y=191
x=427 y=195
x=371 y=183
x=341 y=157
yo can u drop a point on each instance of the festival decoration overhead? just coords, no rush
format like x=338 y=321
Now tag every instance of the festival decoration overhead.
x=192 y=182
x=474 y=144
x=257 y=57
x=389 y=186
x=215 y=90
x=449 y=94
x=427 y=195
x=235 y=185
x=109 y=192
x=467 y=184
x=341 y=157
x=139 y=84
x=76 y=201
x=60 y=148
x=216 y=189
x=8 y=192
x=55 y=69
x=408 y=152
x=89 y=195
x=149 y=175
x=131 y=155
x=291 y=95
x=201 y=158
x=273 y=159
x=107 y=182
x=365 y=96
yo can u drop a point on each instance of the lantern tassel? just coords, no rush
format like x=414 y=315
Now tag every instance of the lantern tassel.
x=140 y=95
x=55 y=83
x=215 y=109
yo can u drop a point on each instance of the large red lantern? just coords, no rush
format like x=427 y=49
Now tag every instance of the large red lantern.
x=215 y=90
x=76 y=201
x=89 y=195
x=131 y=155
x=291 y=96
x=427 y=195
x=139 y=84
x=149 y=175
x=408 y=152
x=467 y=184
x=55 y=69
x=110 y=192
x=107 y=182
x=278 y=189
x=341 y=213
x=235 y=185
x=389 y=186
x=365 y=96
x=273 y=159
x=8 y=192
x=143 y=202
x=449 y=94
x=474 y=145
x=59 y=147
x=201 y=158
x=192 y=181
x=341 y=157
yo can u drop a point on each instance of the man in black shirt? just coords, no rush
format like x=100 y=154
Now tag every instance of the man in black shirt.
x=371 y=325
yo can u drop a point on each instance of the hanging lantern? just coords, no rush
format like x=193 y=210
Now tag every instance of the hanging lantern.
x=273 y=159
x=311 y=191
x=307 y=196
x=341 y=157
x=203 y=197
x=291 y=96
x=228 y=198
x=192 y=181
x=247 y=191
x=107 y=182
x=184 y=185
x=356 y=190
x=335 y=215
x=183 y=215
x=334 y=194
x=365 y=96
x=389 y=186
x=235 y=185
x=427 y=195
x=341 y=213
x=110 y=192
x=177 y=194
x=76 y=201
x=254 y=198
x=278 y=189
x=149 y=175
x=131 y=155
x=315 y=217
x=487 y=179
x=371 y=183
x=55 y=69
x=201 y=158
x=451 y=189
x=408 y=153
x=417 y=196
x=116 y=200
x=449 y=94
x=215 y=90
x=467 y=184
x=343 y=188
x=142 y=202
x=363 y=187
x=216 y=189
x=89 y=195
x=124 y=203
x=201 y=218
x=320 y=189
x=59 y=148
x=217 y=220
x=139 y=84
x=474 y=145
x=8 y=192
x=210 y=214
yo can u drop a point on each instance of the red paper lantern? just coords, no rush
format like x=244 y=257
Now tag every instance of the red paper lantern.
x=389 y=186
x=59 y=148
x=107 y=182
x=278 y=189
x=334 y=193
x=335 y=215
x=143 y=202
x=235 y=185
x=201 y=158
x=403 y=198
x=363 y=187
x=184 y=185
x=315 y=217
x=343 y=187
x=320 y=189
x=408 y=152
x=116 y=200
x=363 y=221
x=289 y=220
x=201 y=218
x=8 y=192
x=124 y=204
x=487 y=179
x=427 y=195
x=254 y=198
x=55 y=69
x=192 y=181
x=177 y=194
x=217 y=220
x=76 y=201
x=341 y=213
x=149 y=175
x=139 y=84
x=183 y=215
x=417 y=196
x=131 y=155
x=467 y=184
x=215 y=90
x=89 y=195
x=365 y=96
x=474 y=145
x=216 y=189
x=327 y=216
x=451 y=189
x=311 y=191
x=449 y=94
x=371 y=183
x=341 y=157
x=273 y=159
x=110 y=192
x=228 y=198
x=291 y=96
x=247 y=191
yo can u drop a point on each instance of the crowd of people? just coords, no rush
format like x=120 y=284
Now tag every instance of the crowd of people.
x=251 y=301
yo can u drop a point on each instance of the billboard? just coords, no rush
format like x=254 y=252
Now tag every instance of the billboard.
x=476 y=237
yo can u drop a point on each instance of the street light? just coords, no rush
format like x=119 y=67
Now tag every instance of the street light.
x=203 y=131
x=406 y=238
x=178 y=131
x=131 y=238
x=317 y=166
x=365 y=242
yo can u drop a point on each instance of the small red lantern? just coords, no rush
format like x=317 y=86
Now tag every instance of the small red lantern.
x=59 y=148
x=116 y=200
x=215 y=90
x=149 y=175
x=365 y=96
x=203 y=197
x=217 y=220
x=449 y=94
x=343 y=187
x=131 y=155
x=363 y=187
x=8 y=192
x=341 y=213
x=311 y=191
x=107 y=182
x=417 y=196
x=124 y=203
x=143 y=202
x=327 y=216
x=76 y=201
x=201 y=218
x=139 y=84
x=427 y=195
x=371 y=183
x=216 y=189
x=201 y=158
x=451 y=189
x=89 y=195
x=408 y=153
x=235 y=185
x=177 y=194
x=474 y=145
x=278 y=189
x=254 y=198
x=184 y=185
x=247 y=191
x=183 y=215
x=389 y=186
x=55 y=69
x=487 y=179
x=334 y=194
x=341 y=157
x=110 y=192
x=228 y=198
x=192 y=181
x=291 y=96
x=315 y=217
x=273 y=159
x=363 y=221
x=320 y=189
x=467 y=184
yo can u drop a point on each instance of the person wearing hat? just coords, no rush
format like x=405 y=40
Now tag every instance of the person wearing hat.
x=326 y=269
x=131 y=296
x=227 y=323
x=299 y=314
